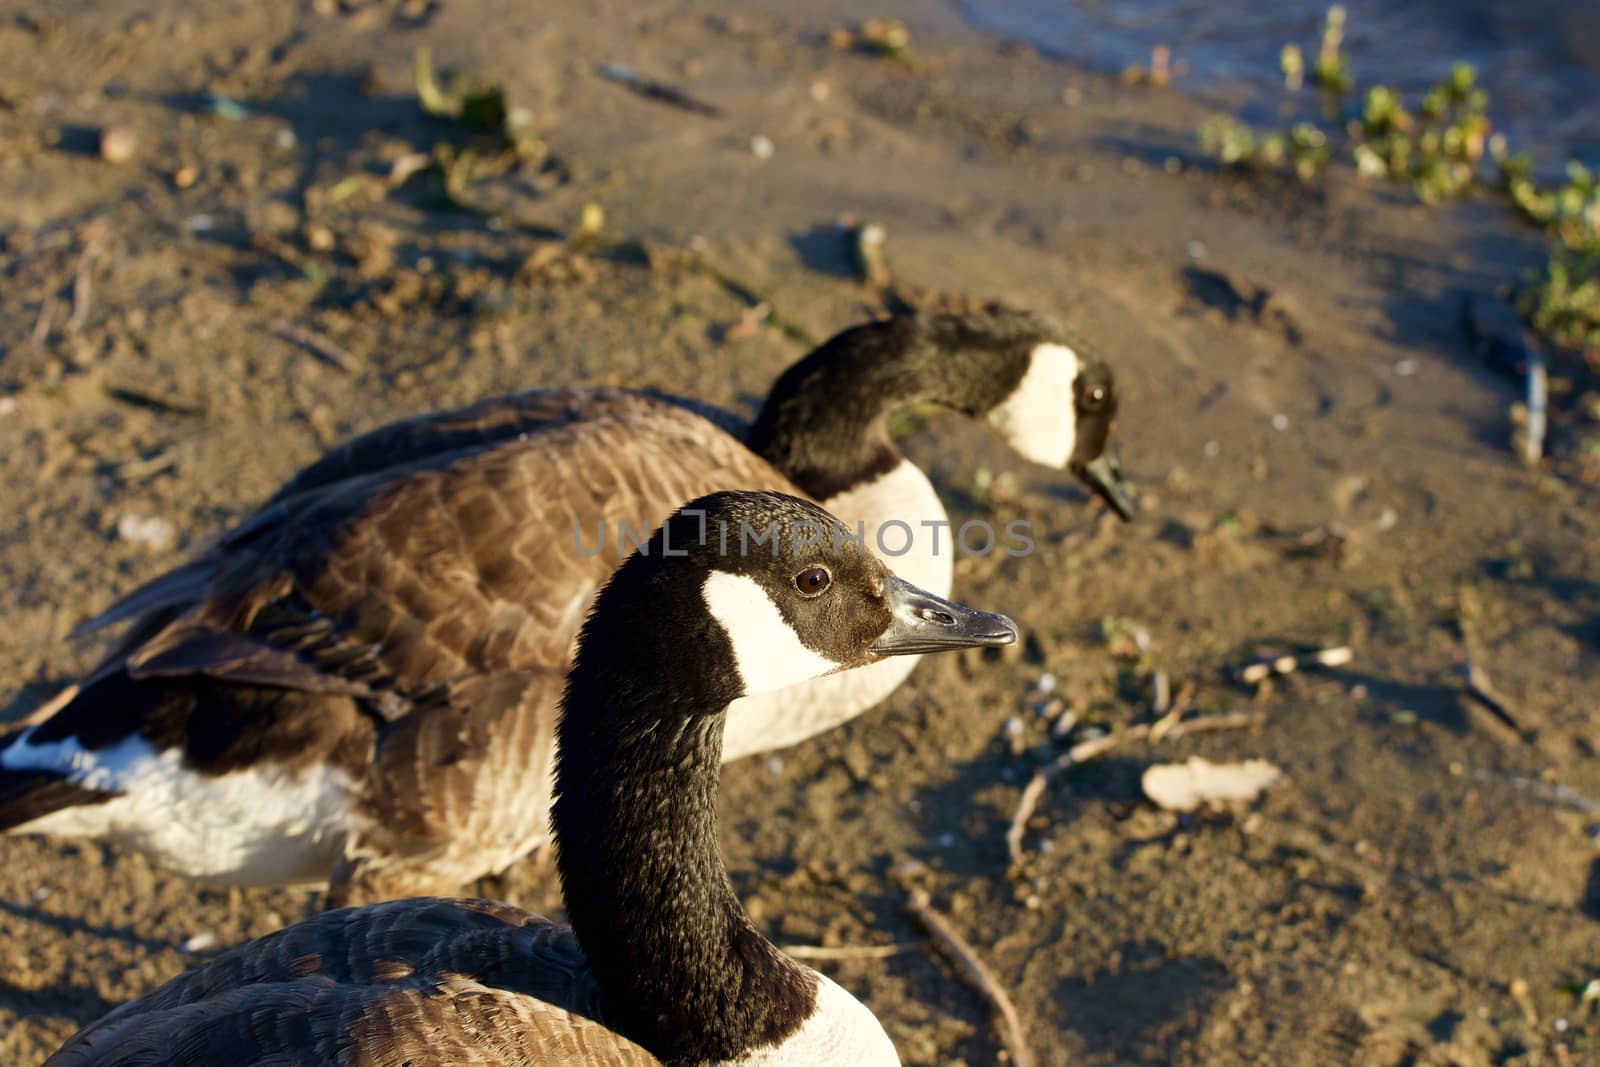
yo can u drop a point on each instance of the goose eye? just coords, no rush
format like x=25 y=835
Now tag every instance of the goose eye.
x=1096 y=397
x=813 y=581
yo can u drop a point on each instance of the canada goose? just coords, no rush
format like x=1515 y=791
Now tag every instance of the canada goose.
x=358 y=683
x=661 y=963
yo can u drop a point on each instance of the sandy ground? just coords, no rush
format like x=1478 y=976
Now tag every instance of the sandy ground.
x=1329 y=465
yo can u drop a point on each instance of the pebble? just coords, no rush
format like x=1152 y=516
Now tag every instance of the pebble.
x=762 y=146
x=8 y=405
x=185 y=176
x=947 y=840
x=775 y=765
x=118 y=144
x=820 y=91
x=198 y=942
x=1280 y=422
x=152 y=532
x=1406 y=368
x=1046 y=683
x=1212 y=449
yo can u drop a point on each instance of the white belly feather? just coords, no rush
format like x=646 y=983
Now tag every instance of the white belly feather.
x=257 y=826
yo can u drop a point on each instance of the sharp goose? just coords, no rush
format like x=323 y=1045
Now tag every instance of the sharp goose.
x=661 y=964
x=358 y=683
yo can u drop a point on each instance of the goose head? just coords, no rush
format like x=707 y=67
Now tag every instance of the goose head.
x=1059 y=413
x=767 y=590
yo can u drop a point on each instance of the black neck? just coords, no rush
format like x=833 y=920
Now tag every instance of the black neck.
x=825 y=424
x=681 y=969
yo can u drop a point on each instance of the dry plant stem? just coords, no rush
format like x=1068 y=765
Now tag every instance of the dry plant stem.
x=43 y=324
x=1538 y=404
x=82 y=289
x=1481 y=689
x=1160 y=693
x=850 y=952
x=1032 y=793
x=976 y=973
x=317 y=345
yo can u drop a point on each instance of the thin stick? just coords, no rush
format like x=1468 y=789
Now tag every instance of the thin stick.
x=850 y=952
x=1160 y=693
x=1032 y=793
x=1165 y=725
x=976 y=973
x=1206 y=723
x=1538 y=401
x=316 y=344
x=43 y=324
x=1481 y=689
x=82 y=289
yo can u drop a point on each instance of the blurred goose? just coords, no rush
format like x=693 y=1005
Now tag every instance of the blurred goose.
x=358 y=683
x=661 y=964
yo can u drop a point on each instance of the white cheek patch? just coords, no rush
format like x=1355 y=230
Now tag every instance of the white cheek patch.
x=769 y=654
x=1039 y=418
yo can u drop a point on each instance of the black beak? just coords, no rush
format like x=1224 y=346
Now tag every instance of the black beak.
x=1104 y=475
x=925 y=623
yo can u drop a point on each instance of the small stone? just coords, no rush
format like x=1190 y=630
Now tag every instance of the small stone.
x=820 y=91
x=1212 y=449
x=185 y=176
x=1405 y=368
x=149 y=531
x=762 y=146
x=118 y=143
x=198 y=942
x=318 y=237
x=8 y=405
x=1196 y=249
x=1280 y=422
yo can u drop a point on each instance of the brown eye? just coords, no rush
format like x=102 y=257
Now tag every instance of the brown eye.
x=813 y=581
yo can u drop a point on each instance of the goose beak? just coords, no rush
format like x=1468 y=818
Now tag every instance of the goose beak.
x=1103 y=474
x=923 y=622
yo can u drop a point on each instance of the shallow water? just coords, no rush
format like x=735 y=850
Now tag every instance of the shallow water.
x=1539 y=59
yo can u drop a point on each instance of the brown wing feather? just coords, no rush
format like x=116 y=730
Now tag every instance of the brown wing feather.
x=458 y=574
x=421 y=982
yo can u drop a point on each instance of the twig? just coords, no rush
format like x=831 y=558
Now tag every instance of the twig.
x=1032 y=793
x=1084 y=751
x=46 y=320
x=660 y=92
x=1538 y=401
x=850 y=952
x=1160 y=693
x=82 y=288
x=1256 y=673
x=316 y=344
x=1179 y=707
x=143 y=398
x=976 y=973
x=1206 y=723
x=1481 y=689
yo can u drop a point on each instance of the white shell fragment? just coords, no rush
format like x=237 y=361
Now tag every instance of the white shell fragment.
x=1187 y=786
